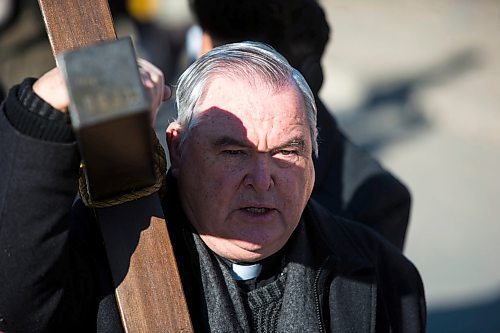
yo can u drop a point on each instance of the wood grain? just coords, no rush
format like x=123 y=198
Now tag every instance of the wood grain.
x=148 y=287
x=74 y=24
x=158 y=276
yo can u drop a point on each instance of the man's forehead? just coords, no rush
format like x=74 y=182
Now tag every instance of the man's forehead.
x=219 y=84
x=219 y=118
x=240 y=94
x=219 y=127
x=241 y=109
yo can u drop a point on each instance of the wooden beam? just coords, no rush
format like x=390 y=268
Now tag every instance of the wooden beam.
x=148 y=286
x=143 y=260
x=73 y=24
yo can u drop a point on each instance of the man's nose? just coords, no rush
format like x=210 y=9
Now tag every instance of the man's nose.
x=259 y=175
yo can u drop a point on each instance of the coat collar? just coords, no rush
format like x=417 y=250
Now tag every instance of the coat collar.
x=346 y=279
x=333 y=238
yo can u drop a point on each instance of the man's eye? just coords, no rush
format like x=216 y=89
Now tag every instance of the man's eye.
x=286 y=152
x=232 y=152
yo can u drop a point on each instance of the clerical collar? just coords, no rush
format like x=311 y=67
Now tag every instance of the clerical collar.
x=243 y=272
x=260 y=272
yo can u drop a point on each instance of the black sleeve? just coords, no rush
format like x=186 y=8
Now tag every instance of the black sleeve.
x=31 y=116
x=40 y=289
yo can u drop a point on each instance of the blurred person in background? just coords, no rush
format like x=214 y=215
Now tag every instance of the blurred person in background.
x=160 y=28
x=24 y=46
x=349 y=182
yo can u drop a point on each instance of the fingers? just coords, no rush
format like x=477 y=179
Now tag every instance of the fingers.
x=167 y=92
x=154 y=82
x=51 y=87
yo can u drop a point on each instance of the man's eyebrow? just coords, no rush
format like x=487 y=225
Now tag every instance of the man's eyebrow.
x=230 y=141
x=295 y=142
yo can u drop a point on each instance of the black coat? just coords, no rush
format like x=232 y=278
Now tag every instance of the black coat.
x=352 y=184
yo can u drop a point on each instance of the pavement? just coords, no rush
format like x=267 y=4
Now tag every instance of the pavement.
x=418 y=85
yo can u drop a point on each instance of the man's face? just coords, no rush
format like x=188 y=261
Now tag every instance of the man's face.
x=245 y=172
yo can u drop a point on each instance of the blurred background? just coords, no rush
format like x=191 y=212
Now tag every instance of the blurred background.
x=418 y=84
x=415 y=83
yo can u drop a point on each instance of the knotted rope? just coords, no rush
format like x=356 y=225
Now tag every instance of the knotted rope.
x=160 y=166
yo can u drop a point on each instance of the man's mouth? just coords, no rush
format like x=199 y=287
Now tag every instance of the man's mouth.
x=257 y=210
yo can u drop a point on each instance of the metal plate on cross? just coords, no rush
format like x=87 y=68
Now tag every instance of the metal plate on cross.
x=103 y=82
x=109 y=111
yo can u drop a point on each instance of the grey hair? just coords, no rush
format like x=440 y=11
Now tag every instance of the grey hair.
x=248 y=60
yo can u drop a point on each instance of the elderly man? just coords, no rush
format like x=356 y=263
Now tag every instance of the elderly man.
x=349 y=182
x=255 y=253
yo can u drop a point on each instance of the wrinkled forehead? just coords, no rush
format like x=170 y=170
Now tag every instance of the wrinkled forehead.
x=246 y=77
x=249 y=95
x=252 y=110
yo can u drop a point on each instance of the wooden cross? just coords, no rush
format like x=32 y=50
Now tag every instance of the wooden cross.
x=147 y=284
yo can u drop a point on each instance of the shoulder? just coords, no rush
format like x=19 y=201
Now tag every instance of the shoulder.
x=336 y=230
x=359 y=251
x=344 y=238
x=355 y=247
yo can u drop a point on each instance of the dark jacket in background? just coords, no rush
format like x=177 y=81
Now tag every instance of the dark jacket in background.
x=352 y=184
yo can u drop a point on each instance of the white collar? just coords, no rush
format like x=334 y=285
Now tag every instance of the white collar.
x=245 y=272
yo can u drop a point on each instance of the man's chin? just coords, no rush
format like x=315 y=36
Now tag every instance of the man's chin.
x=239 y=250
x=250 y=251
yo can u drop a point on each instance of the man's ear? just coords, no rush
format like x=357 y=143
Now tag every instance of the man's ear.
x=207 y=43
x=173 y=140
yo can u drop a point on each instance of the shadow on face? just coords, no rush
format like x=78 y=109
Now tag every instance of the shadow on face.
x=244 y=201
